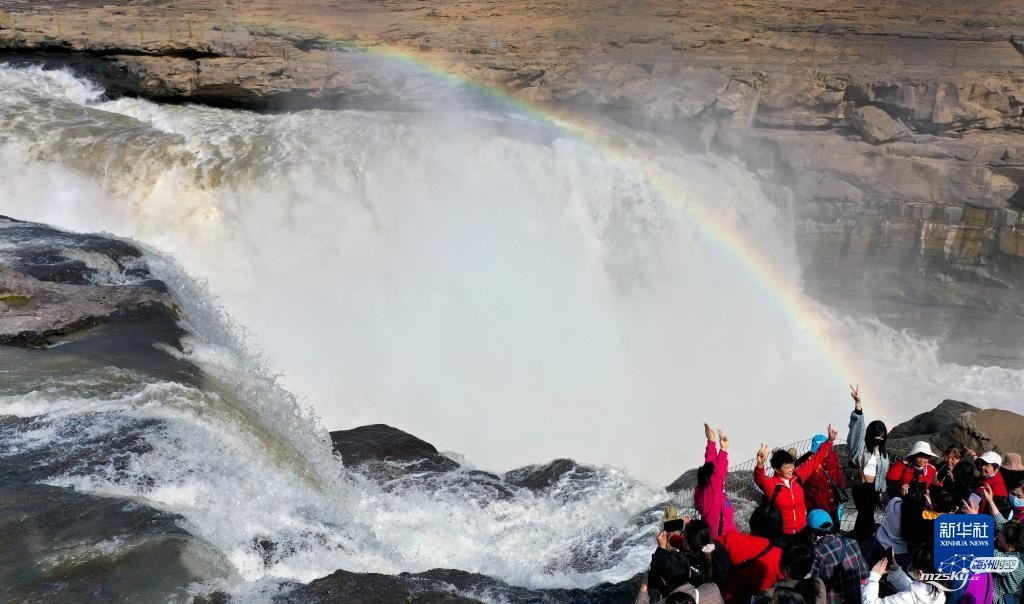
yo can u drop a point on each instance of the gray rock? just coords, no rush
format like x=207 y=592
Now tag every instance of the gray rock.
x=876 y=126
x=61 y=308
x=931 y=423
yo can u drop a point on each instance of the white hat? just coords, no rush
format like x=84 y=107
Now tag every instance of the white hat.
x=921 y=447
x=991 y=457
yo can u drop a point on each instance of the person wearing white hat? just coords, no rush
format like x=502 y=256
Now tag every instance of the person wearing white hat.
x=989 y=463
x=918 y=469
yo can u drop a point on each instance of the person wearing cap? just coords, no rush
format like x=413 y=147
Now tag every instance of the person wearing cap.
x=989 y=463
x=869 y=456
x=822 y=487
x=709 y=496
x=837 y=560
x=917 y=469
x=1012 y=469
x=785 y=488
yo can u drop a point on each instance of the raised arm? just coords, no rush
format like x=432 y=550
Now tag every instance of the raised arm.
x=710 y=453
x=857 y=427
x=721 y=464
x=812 y=464
x=760 y=479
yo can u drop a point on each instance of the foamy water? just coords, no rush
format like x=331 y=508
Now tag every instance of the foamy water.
x=490 y=284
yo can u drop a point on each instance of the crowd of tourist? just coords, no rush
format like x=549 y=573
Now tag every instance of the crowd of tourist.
x=796 y=551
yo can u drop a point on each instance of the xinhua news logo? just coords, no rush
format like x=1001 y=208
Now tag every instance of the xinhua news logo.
x=965 y=546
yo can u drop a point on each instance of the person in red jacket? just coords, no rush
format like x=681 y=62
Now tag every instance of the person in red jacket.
x=709 y=497
x=820 y=489
x=989 y=464
x=754 y=558
x=916 y=469
x=785 y=487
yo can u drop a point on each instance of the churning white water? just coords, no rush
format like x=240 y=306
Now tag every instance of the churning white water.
x=483 y=281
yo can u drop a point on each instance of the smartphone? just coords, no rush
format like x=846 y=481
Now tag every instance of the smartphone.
x=891 y=557
x=675 y=525
x=975 y=499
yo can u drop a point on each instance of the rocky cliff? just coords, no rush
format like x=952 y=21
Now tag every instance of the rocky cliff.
x=895 y=125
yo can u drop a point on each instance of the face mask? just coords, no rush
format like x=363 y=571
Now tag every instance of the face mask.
x=1017 y=502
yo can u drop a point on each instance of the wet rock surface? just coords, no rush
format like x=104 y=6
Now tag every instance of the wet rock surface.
x=444 y=585
x=380 y=442
x=49 y=289
x=60 y=545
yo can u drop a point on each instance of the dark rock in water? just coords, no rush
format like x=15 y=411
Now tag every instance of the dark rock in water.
x=78 y=316
x=60 y=545
x=43 y=309
x=445 y=585
x=544 y=476
x=930 y=423
x=43 y=252
x=380 y=442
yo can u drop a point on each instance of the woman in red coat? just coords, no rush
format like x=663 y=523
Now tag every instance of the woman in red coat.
x=820 y=489
x=989 y=464
x=785 y=487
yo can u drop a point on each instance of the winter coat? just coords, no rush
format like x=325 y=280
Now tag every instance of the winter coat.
x=908 y=592
x=711 y=500
x=858 y=455
x=790 y=499
x=755 y=566
x=998 y=486
x=1007 y=583
x=903 y=473
x=818 y=490
x=890 y=532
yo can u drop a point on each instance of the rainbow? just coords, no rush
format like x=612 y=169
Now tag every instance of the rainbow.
x=805 y=315
x=788 y=299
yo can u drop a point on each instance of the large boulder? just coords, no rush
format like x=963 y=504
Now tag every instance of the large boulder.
x=876 y=126
x=383 y=443
x=930 y=423
x=987 y=429
x=958 y=423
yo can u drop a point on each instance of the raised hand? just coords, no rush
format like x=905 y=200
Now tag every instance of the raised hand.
x=709 y=432
x=986 y=492
x=882 y=566
x=855 y=393
x=762 y=454
x=832 y=433
x=723 y=440
x=970 y=507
